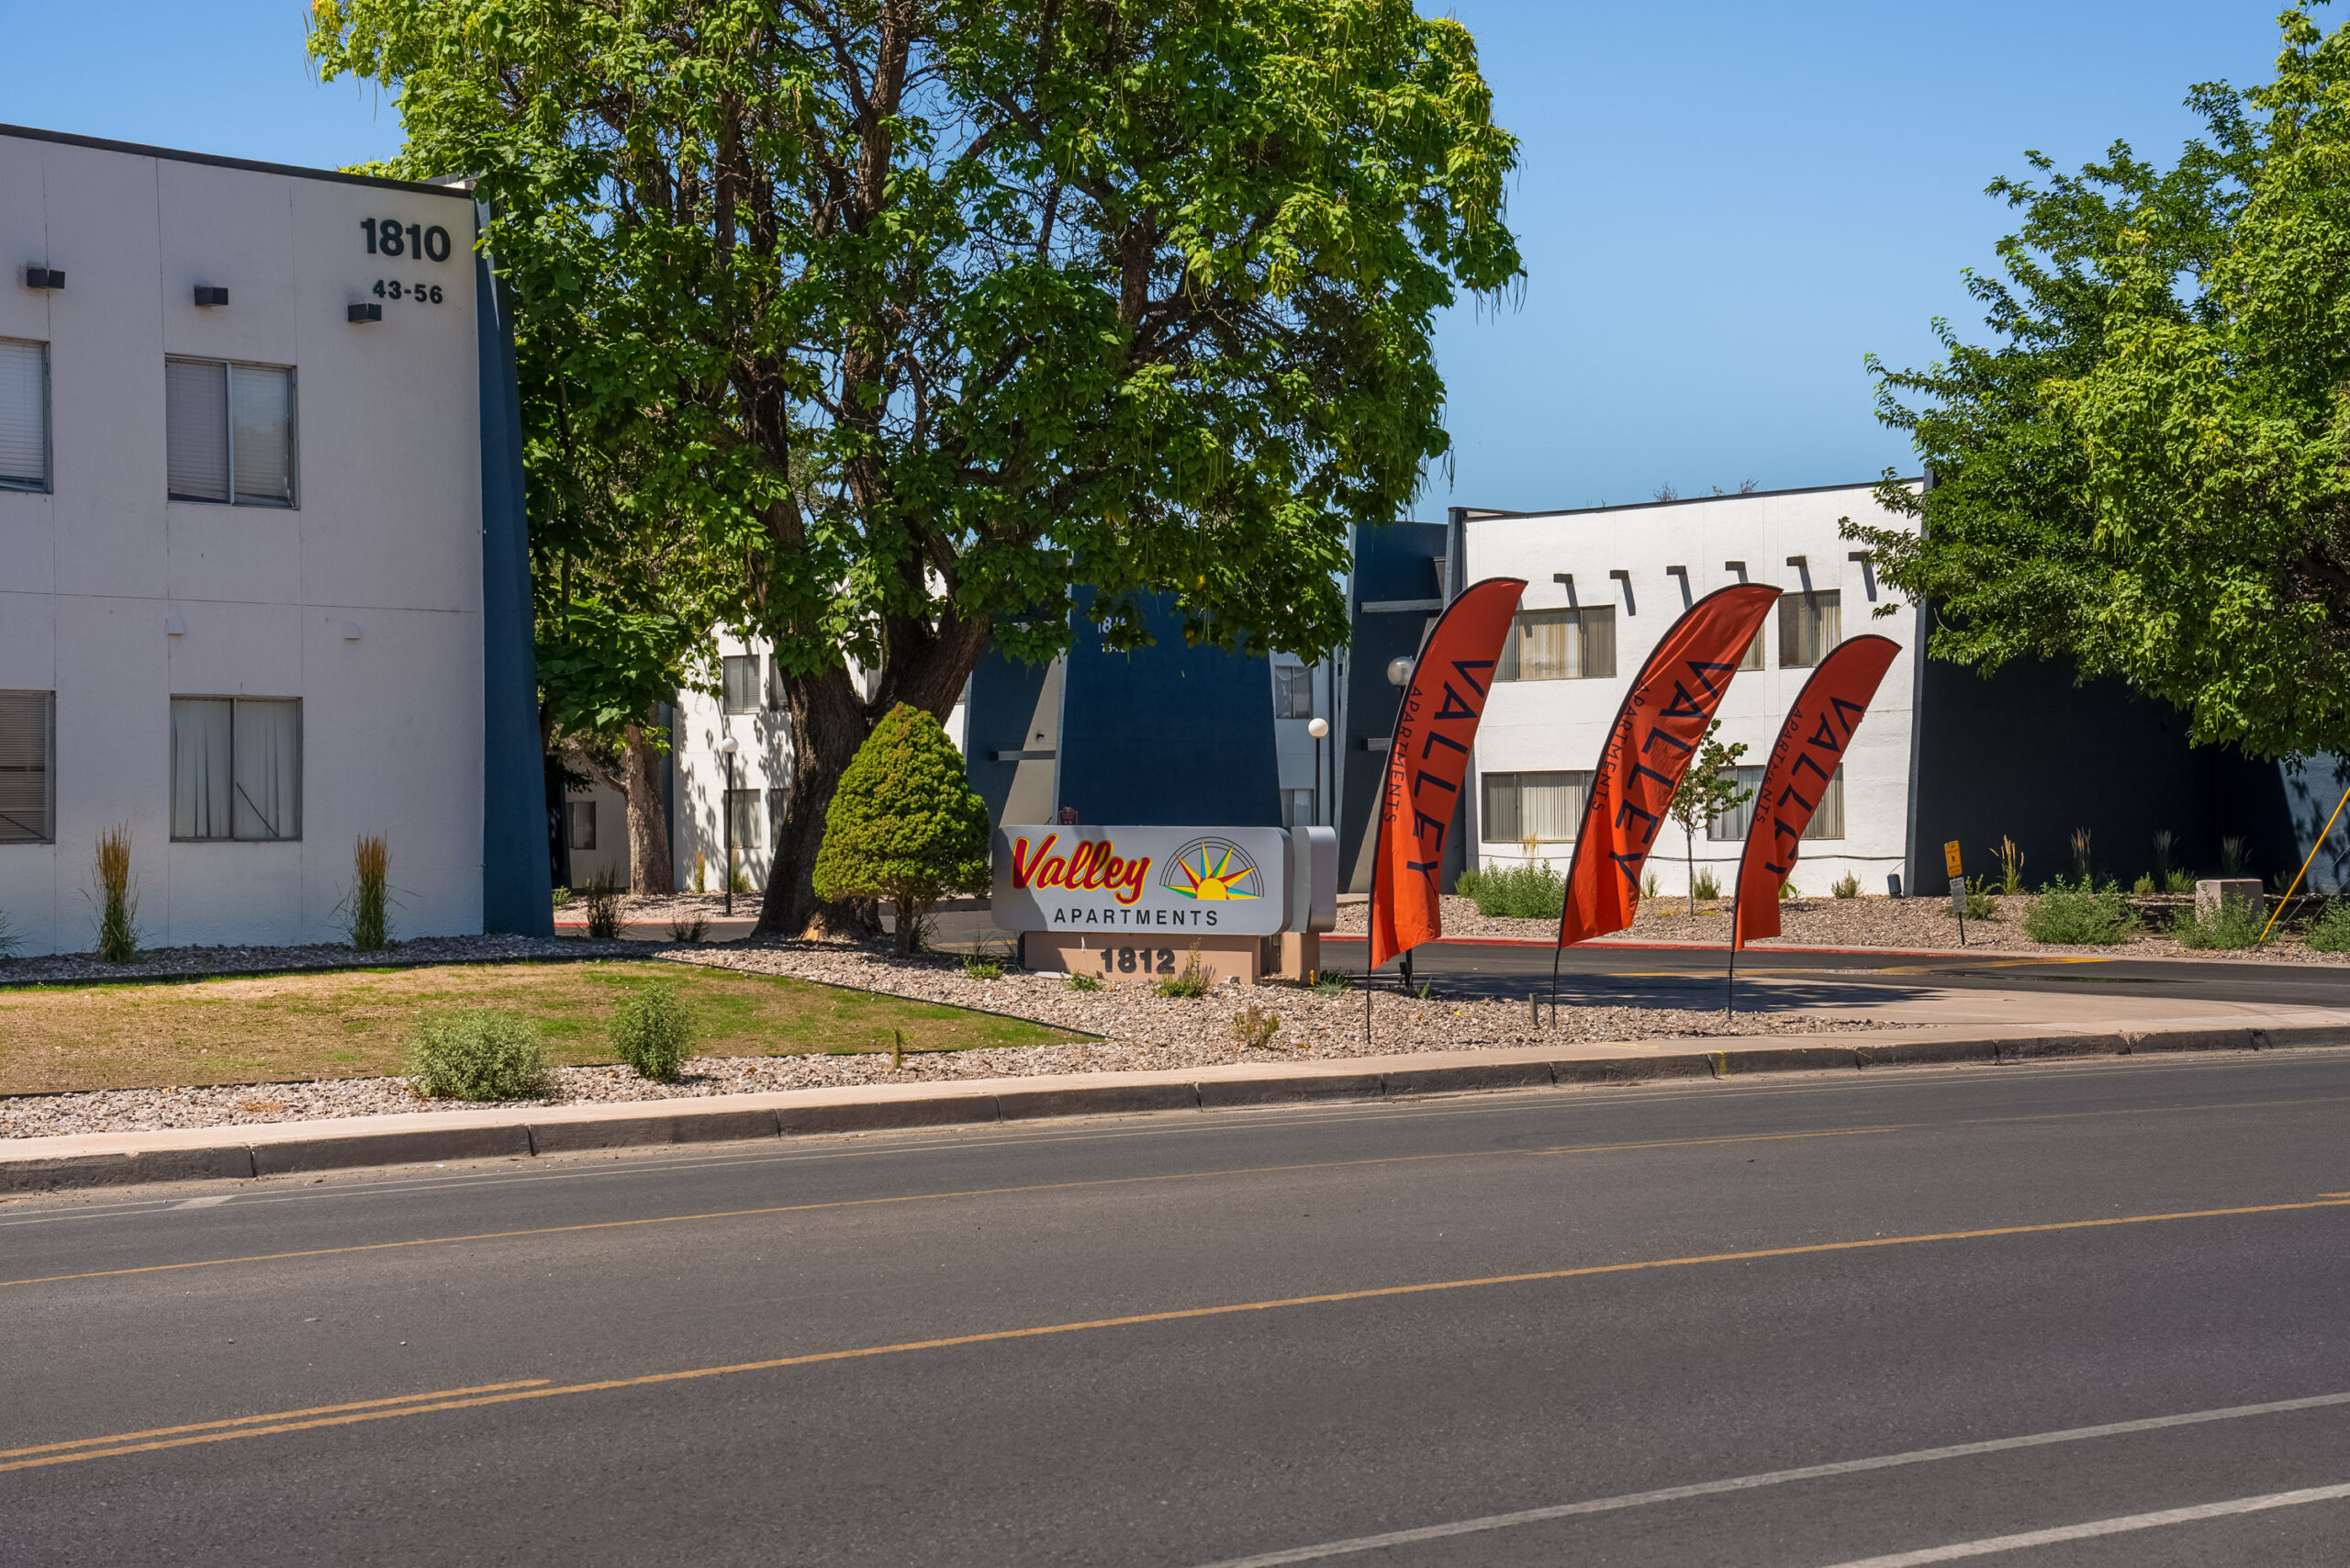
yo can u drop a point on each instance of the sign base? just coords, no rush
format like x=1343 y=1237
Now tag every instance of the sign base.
x=1114 y=959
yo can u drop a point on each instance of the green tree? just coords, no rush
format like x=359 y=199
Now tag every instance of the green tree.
x=2147 y=475
x=930 y=310
x=905 y=825
x=1709 y=787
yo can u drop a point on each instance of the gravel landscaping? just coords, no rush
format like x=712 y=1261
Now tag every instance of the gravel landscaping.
x=190 y=963
x=1138 y=1029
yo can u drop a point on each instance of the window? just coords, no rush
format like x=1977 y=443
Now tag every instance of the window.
x=1731 y=824
x=228 y=432
x=775 y=683
x=24 y=416
x=740 y=679
x=1827 y=822
x=1561 y=645
x=28 y=778
x=1544 y=806
x=1292 y=691
x=583 y=823
x=1809 y=625
x=1297 y=808
x=1752 y=658
x=746 y=808
x=236 y=767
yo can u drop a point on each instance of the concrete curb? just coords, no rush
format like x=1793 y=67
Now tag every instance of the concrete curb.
x=242 y=1153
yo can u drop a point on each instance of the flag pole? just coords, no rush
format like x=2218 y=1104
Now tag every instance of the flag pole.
x=2305 y=868
x=1729 y=993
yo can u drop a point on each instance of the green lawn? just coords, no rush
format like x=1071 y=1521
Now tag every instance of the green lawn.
x=354 y=1023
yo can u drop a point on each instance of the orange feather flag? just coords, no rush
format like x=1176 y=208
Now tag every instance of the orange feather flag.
x=1803 y=759
x=1649 y=747
x=1428 y=759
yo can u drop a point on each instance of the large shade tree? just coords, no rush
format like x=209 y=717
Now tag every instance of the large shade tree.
x=928 y=311
x=2149 y=473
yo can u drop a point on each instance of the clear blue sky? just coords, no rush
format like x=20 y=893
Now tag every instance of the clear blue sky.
x=1723 y=206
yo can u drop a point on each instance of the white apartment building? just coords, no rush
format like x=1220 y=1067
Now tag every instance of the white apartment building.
x=264 y=583
x=1603 y=585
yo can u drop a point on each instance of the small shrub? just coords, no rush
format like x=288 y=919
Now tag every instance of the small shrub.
x=1848 y=886
x=1648 y=889
x=904 y=826
x=603 y=900
x=118 y=906
x=1706 y=887
x=2178 y=881
x=2236 y=924
x=1081 y=982
x=1192 y=980
x=2078 y=915
x=701 y=872
x=11 y=941
x=477 y=1054
x=2330 y=932
x=2144 y=885
x=1787 y=894
x=2011 y=866
x=982 y=969
x=1982 y=899
x=562 y=898
x=692 y=930
x=653 y=1031
x=1253 y=1027
x=740 y=882
x=1330 y=982
x=1527 y=891
x=367 y=912
x=2231 y=857
x=2083 y=867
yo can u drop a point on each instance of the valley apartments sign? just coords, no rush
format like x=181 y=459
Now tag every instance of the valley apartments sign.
x=1198 y=881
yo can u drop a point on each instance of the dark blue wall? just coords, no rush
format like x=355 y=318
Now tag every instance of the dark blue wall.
x=2030 y=753
x=1395 y=562
x=1167 y=735
x=516 y=872
x=1003 y=699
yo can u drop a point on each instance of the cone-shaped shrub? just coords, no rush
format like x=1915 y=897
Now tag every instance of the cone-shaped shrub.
x=905 y=823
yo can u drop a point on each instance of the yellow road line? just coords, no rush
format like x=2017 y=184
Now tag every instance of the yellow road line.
x=1735 y=1138
x=249 y=1420
x=467 y=1399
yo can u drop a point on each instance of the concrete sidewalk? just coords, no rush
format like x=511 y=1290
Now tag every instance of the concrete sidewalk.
x=243 y=1153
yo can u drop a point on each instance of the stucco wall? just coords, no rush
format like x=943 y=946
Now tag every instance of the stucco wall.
x=1543 y=725
x=387 y=536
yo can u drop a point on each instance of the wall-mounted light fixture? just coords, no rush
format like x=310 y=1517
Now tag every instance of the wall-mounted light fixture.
x=44 y=277
x=1399 y=671
x=209 y=295
x=351 y=631
x=359 y=313
x=175 y=624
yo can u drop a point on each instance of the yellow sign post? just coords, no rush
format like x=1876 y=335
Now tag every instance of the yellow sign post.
x=1957 y=887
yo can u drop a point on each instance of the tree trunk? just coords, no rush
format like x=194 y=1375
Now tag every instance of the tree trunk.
x=908 y=912
x=649 y=867
x=1689 y=858
x=828 y=723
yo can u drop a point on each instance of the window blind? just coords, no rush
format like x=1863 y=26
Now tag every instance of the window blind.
x=24 y=744
x=1561 y=645
x=1810 y=624
x=747 y=807
x=1545 y=807
x=739 y=683
x=200 y=777
x=267 y=748
x=261 y=404
x=24 y=416
x=1732 y=824
x=196 y=429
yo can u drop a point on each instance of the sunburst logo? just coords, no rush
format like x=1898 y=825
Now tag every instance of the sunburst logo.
x=1213 y=870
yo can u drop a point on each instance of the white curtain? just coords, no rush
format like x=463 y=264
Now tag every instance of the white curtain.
x=268 y=747
x=261 y=403
x=196 y=429
x=201 y=728
x=1549 y=805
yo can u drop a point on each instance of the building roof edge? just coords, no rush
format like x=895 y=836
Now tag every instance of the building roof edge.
x=139 y=150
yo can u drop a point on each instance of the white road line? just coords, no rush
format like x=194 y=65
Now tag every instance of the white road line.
x=1846 y=1467
x=2103 y=1527
x=212 y=1202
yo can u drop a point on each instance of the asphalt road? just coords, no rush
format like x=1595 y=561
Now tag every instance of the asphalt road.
x=1568 y=1327
x=1674 y=976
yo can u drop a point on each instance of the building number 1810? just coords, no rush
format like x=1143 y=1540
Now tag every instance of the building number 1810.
x=386 y=237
